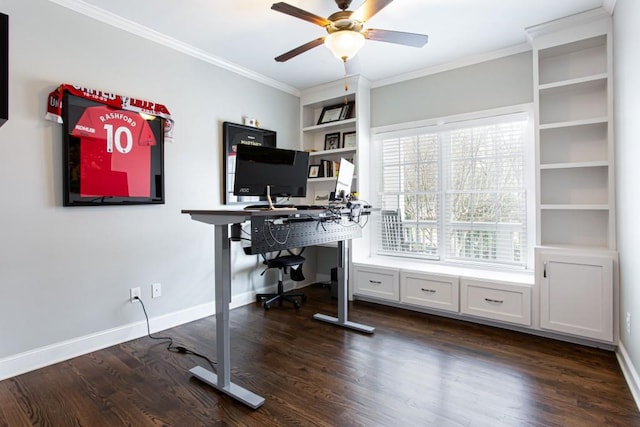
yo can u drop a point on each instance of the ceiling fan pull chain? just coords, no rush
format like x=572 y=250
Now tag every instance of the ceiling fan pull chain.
x=346 y=84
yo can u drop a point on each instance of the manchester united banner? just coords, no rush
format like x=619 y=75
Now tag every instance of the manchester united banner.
x=54 y=106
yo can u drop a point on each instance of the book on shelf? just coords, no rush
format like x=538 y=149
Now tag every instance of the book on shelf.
x=326 y=168
x=335 y=168
x=329 y=168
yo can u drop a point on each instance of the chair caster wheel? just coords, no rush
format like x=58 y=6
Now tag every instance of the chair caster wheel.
x=297 y=306
x=266 y=306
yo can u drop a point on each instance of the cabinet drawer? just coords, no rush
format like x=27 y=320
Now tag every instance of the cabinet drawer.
x=498 y=301
x=426 y=290
x=377 y=283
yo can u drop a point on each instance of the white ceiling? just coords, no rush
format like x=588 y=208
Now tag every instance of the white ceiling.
x=248 y=34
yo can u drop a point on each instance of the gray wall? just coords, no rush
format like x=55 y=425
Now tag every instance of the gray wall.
x=491 y=84
x=65 y=273
x=627 y=134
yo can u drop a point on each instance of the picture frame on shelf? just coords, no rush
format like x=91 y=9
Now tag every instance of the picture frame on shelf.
x=349 y=139
x=334 y=113
x=332 y=141
x=347 y=111
x=314 y=171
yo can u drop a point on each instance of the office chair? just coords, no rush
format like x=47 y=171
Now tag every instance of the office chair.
x=392 y=232
x=292 y=263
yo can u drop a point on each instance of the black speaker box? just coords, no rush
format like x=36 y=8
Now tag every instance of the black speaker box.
x=4 y=68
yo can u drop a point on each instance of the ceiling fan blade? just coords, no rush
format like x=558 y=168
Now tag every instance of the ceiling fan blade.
x=397 y=37
x=368 y=9
x=299 y=13
x=300 y=49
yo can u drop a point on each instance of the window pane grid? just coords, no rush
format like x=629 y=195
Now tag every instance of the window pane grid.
x=410 y=195
x=479 y=205
x=485 y=198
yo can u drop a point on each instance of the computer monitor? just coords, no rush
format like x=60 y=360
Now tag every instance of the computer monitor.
x=344 y=180
x=270 y=172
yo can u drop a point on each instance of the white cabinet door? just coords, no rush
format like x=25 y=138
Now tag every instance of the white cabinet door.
x=576 y=294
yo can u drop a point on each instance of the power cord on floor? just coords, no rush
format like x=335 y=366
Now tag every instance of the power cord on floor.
x=170 y=345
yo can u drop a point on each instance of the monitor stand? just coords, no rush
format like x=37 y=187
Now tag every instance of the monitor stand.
x=271 y=206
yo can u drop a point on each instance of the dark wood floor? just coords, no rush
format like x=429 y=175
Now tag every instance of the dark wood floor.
x=416 y=370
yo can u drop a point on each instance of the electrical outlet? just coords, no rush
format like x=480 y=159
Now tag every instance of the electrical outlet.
x=628 y=323
x=133 y=293
x=156 y=290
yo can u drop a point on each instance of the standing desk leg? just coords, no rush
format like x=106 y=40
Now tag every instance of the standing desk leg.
x=343 y=297
x=222 y=380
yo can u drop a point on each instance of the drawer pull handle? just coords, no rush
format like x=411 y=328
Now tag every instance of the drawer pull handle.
x=495 y=301
x=375 y=282
x=431 y=291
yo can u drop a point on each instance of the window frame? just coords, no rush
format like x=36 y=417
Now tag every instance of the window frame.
x=439 y=126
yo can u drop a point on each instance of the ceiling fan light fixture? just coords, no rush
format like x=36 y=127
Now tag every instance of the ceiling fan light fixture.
x=344 y=44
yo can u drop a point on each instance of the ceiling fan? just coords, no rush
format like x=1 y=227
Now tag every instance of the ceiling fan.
x=346 y=31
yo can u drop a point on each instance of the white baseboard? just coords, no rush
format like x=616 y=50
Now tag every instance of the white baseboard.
x=629 y=372
x=48 y=355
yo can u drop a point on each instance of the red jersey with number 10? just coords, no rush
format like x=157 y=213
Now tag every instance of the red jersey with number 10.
x=115 y=153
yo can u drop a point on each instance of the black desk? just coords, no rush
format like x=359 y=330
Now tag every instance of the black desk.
x=280 y=219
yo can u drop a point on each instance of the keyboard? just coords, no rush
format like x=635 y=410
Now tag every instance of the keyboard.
x=266 y=207
x=311 y=207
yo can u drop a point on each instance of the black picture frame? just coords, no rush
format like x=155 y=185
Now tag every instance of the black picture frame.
x=349 y=139
x=347 y=111
x=332 y=113
x=332 y=141
x=116 y=170
x=4 y=68
x=314 y=171
x=232 y=135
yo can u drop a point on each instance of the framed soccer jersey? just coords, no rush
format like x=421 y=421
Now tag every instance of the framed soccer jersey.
x=111 y=156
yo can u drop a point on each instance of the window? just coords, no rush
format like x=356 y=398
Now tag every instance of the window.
x=456 y=192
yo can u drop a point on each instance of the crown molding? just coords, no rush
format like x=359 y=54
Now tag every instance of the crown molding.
x=124 y=24
x=609 y=6
x=464 y=62
x=589 y=16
